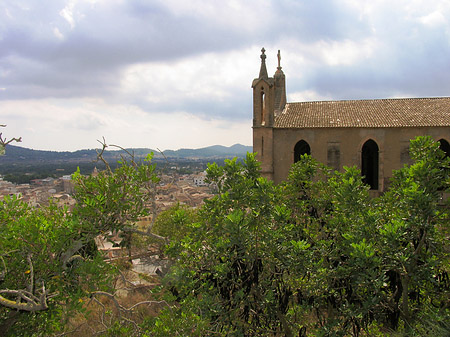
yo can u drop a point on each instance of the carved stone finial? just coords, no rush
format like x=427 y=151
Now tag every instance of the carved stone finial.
x=279 y=59
x=263 y=70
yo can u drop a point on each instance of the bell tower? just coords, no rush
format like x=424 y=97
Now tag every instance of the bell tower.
x=263 y=118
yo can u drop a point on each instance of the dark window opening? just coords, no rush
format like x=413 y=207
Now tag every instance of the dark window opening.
x=300 y=149
x=444 y=146
x=369 y=164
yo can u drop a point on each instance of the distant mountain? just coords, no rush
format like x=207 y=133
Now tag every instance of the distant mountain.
x=215 y=151
x=21 y=154
x=21 y=165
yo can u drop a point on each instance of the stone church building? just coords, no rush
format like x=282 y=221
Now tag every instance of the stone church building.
x=372 y=134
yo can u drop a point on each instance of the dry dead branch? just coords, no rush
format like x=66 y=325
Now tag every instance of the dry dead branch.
x=25 y=301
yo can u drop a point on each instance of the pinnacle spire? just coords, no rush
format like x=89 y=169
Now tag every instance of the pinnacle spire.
x=279 y=60
x=280 y=87
x=279 y=72
x=263 y=70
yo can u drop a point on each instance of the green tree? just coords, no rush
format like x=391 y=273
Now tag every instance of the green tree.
x=413 y=233
x=34 y=279
x=265 y=259
x=233 y=258
x=332 y=212
x=48 y=259
x=113 y=201
x=174 y=222
x=373 y=259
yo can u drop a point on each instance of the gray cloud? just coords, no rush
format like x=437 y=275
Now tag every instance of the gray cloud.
x=320 y=19
x=89 y=56
x=74 y=50
x=405 y=67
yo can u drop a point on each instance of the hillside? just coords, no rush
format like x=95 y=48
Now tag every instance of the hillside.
x=21 y=154
x=20 y=164
x=215 y=151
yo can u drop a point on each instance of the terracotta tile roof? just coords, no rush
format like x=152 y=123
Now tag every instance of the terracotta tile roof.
x=376 y=113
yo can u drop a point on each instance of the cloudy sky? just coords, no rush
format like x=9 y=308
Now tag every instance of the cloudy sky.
x=173 y=74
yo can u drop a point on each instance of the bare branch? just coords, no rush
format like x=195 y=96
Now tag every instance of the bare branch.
x=102 y=151
x=128 y=152
x=121 y=308
x=4 y=141
x=100 y=155
x=5 y=270
x=30 y=286
x=102 y=317
x=125 y=281
x=69 y=254
x=31 y=304
x=25 y=299
x=113 y=298
x=163 y=154
x=149 y=303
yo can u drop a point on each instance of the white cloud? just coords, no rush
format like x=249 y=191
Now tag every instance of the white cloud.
x=210 y=76
x=433 y=19
x=307 y=95
x=58 y=34
x=8 y=13
x=67 y=13
x=346 y=52
x=75 y=124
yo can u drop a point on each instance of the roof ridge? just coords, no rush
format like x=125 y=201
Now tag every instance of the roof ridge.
x=373 y=99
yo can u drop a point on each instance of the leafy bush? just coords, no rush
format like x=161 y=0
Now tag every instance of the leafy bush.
x=49 y=263
x=174 y=222
x=316 y=253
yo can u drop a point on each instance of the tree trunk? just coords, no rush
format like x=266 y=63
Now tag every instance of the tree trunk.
x=405 y=299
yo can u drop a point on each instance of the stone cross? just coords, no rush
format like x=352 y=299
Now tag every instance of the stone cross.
x=263 y=56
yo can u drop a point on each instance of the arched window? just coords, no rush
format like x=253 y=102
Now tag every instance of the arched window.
x=263 y=107
x=300 y=149
x=369 y=164
x=444 y=146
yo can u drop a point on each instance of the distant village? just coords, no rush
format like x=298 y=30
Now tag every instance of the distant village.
x=188 y=189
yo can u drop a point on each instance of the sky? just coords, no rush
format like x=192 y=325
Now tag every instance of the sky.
x=173 y=74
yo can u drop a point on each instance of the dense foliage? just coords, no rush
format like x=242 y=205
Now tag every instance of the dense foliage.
x=174 y=222
x=49 y=263
x=316 y=254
